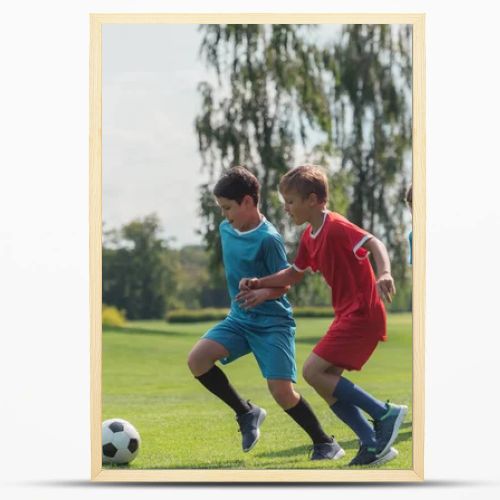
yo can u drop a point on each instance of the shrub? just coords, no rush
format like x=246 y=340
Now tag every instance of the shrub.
x=215 y=314
x=111 y=316
x=195 y=315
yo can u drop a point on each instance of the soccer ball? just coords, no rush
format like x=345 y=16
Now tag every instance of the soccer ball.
x=120 y=441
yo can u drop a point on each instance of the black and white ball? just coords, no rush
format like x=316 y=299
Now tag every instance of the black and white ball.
x=120 y=441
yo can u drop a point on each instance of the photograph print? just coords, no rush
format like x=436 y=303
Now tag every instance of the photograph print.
x=253 y=272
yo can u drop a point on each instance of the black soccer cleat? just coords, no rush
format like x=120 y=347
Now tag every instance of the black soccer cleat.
x=368 y=456
x=387 y=428
x=327 y=451
x=249 y=423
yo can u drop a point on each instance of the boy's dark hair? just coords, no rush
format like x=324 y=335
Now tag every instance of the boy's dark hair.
x=409 y=196
x=305 y=180
x=236 y=183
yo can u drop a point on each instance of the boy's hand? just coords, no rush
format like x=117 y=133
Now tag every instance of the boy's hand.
x=252 y=298
x=385 y=286
x=248 y=283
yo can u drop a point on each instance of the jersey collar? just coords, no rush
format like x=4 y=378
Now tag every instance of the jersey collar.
x=243 y=233
x=315 y=235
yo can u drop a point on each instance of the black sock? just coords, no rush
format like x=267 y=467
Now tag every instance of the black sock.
x=217 y=383
x=302 y=414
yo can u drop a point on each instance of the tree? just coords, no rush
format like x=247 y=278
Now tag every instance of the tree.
x=372 y=69
x=195 y=289
x=371 y=65
x=139 y=274
x=269 y=95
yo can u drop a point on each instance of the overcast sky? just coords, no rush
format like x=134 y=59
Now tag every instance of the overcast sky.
x=150 y=157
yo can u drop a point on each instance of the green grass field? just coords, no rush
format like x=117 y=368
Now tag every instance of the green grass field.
x=147 y=382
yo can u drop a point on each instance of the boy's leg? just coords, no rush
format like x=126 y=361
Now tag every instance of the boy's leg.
x=274 y=350
x=368 y=445
x=352 y=416
x=332 y=387
x=347 y=412
x=201 y=362
x=325 y=447
x=322 y=376
x=387 y=418
x=298 y=408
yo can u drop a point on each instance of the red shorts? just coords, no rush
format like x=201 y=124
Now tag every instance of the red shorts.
x=350 y=341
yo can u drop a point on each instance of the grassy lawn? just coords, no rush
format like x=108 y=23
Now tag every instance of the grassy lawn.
x=147 y=382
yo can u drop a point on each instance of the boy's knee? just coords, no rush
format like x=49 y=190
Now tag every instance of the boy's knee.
x=283 y=393
x=203 y=356
x=192 y=360
x=197 y=362
x=310 y=373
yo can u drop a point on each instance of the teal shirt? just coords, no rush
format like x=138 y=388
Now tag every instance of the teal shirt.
x=255 y=254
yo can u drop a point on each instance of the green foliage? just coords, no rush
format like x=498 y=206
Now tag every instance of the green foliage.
x=111 y=316
x=311 y=291
x=193 y=316
x=217 y=314
x=146 y=381
x=192 y=276
x=196 y=287
x=139 y=274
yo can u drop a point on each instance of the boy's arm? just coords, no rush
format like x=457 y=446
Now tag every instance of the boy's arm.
x=285 y=277
x=254 y=291
x=251 y=298
x=385 y=282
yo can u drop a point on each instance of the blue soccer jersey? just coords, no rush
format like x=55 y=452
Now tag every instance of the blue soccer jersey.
x=255 y=253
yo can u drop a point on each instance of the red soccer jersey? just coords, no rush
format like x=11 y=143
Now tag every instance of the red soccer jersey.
x=336 y=251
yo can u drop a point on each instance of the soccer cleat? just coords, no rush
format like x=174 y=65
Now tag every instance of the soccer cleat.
x=327 y=451
x=367 y=456
x=387 y=428
x=249 y=423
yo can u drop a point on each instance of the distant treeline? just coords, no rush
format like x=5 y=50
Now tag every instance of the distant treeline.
x=146 y=278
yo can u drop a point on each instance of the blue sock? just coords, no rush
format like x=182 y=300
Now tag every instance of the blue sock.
x=352 y=416
x=348 y=392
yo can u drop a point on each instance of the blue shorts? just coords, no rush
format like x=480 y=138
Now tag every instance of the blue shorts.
x=273 y=347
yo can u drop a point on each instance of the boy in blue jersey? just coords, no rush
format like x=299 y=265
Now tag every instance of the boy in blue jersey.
x=251 y=246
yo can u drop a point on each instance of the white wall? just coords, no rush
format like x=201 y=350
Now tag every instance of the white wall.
x=44 y=367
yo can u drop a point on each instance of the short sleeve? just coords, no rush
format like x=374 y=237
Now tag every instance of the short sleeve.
x=302 y=260
x=355 y=238
x=274 y=254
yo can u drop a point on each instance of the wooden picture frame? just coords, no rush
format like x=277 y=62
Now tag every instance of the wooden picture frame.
x=416 y=473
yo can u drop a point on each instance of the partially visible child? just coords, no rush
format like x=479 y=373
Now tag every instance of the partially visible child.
x=409 y=201
x=263 y=325
x=339 y=250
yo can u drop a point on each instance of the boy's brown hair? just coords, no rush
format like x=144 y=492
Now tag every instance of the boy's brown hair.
x=409 y=196
x=305 y=180
x=236 y=183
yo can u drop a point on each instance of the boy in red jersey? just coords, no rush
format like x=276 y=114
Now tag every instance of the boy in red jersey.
x=339 y=250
